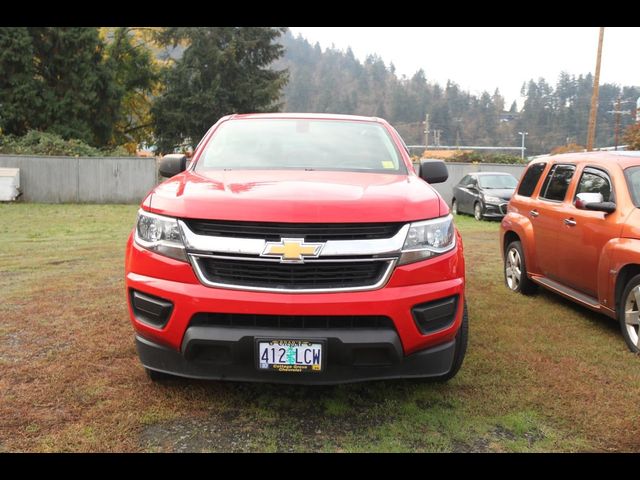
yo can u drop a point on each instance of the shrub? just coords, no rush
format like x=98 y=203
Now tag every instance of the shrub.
x=43 y=143
x=631 y=137
x=572 y=147
x=477 y=157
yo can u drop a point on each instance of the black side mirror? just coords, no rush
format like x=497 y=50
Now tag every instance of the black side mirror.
x=172 y=164
x=606 y=207
x=594 y=201
x=433 y=171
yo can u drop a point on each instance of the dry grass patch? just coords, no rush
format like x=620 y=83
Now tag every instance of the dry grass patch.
x=541 y=373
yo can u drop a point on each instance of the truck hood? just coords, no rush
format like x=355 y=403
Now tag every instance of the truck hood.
x=296 y=196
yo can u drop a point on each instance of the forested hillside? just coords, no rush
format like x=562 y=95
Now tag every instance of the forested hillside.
x=335 y=81
x=112 y=88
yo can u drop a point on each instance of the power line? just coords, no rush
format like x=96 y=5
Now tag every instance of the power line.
x=617 y=112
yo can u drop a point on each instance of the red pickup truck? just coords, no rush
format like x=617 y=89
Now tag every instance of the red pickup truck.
x=297 y=248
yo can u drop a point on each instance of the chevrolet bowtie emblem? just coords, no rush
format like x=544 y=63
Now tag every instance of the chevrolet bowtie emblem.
x=292 y=250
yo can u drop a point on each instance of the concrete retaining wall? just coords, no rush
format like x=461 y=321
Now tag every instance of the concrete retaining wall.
x=83 y=179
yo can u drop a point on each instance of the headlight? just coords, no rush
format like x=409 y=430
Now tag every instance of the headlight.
x=492 y=199
x=160 y=234
x=427 y=239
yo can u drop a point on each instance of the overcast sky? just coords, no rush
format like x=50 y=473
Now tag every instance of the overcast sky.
x=483 y=58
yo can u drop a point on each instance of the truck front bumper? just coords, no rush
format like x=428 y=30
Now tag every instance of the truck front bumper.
x=240 y=364
x=181 y=346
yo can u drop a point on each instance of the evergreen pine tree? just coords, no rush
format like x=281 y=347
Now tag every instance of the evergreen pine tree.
x=223 y=70
x=77 y=95
x=55 y=79
x=18 y=87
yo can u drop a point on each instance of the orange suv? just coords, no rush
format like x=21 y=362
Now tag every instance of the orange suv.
x=573 y=227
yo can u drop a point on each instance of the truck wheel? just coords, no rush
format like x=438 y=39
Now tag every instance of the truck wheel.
x=477 y=211
x=462 y=339
x=628 y=314
x=515 y=270
x=158 y=377
x=454 y=207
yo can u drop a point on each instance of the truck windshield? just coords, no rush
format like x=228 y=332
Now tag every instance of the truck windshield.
x=497 y=181
x=301 y=144
x=633 y=180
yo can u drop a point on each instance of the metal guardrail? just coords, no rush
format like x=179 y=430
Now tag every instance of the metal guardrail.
x=463 y=147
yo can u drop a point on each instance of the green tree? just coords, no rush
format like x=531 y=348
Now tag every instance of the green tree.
x=77 y=95
x=55 y=79
x=631 y=137
x=223 y=70
x=18 y=86
x=137 y=76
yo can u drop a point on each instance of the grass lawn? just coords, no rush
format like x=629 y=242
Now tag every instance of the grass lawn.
x=541 y=374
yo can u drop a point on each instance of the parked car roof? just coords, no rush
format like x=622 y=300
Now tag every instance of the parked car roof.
x=623 y=158
x=478 y=174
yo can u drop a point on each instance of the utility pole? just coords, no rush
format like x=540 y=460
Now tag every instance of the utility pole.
x=426 y=131
x=617 y=112
x=594 y=97
x=436 y=137
x=522 y=148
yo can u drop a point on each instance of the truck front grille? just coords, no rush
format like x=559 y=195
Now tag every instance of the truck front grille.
x=311 y=232
x=292 y=321
x=310 y=275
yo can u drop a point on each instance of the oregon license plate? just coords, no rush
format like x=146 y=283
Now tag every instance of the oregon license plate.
x=293 y=356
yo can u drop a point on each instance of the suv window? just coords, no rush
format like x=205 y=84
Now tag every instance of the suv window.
x=465 y=180
x=633 y=180
x=557 y=182
x=530 y=179
x=595 y=181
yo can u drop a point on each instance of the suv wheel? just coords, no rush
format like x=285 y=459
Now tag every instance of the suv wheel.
x=628 y=314
x=515 y=270
x=477 y=211
x=462 y=338
x=454 y=207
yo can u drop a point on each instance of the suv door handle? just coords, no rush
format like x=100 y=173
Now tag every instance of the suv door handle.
x=534 y=213
x=570 y=222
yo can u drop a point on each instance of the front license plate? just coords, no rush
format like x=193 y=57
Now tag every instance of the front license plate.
x=292 y=356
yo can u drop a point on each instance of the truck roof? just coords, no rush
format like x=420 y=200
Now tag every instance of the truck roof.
x=310 y=116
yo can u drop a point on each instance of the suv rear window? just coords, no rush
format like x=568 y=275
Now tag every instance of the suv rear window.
x=557 y=183
x=530 y=179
